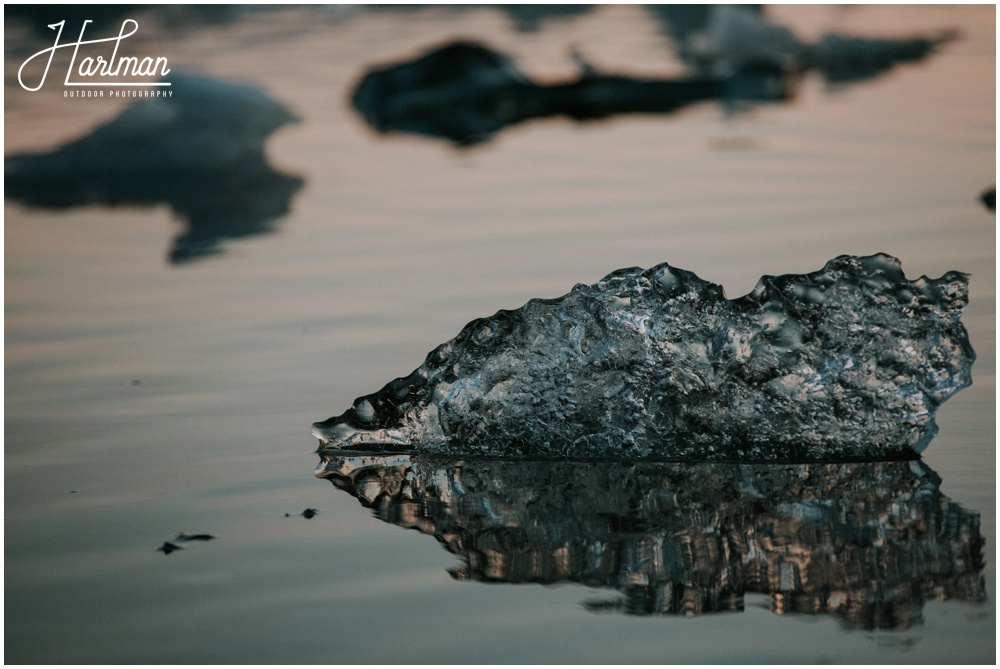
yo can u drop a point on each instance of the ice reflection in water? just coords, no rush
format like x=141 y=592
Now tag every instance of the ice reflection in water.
x=867 y=542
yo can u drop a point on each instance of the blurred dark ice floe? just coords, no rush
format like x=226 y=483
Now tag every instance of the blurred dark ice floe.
x=199 y=150
x=465 y=92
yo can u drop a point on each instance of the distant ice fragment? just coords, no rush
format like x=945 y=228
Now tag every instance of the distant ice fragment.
x=736 y=37
x=206 y=125
x=466 y=92
x=847 y=363
x=201 y=150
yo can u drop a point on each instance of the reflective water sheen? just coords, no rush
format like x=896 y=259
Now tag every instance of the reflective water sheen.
x=170 y=336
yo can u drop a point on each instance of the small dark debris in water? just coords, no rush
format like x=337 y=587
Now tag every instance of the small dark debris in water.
x=72 y=492
x=193 y=537
x=136 y=382
x=989 y=198
x=308 y=513
x=169 y=548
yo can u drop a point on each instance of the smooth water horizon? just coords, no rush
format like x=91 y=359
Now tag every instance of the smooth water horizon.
x=171 y=335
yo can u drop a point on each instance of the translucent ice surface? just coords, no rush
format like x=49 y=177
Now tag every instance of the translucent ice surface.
x=847 y=363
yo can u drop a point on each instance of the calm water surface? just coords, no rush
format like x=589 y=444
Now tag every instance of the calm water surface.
x=146 y=398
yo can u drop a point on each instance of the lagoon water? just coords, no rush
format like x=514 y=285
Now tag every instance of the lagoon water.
x=150 y=393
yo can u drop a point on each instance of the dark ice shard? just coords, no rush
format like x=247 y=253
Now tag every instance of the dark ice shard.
x=847 y=363
x=868 y=543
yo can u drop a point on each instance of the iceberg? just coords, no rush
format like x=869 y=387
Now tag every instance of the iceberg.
x=846 y=363
x=866 y=543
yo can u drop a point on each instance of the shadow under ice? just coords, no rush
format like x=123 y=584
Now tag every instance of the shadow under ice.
x=866 y=542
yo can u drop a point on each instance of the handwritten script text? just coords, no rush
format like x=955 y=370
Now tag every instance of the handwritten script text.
x=114 y=66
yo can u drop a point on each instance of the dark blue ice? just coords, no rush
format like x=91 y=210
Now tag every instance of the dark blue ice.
x=847 y=363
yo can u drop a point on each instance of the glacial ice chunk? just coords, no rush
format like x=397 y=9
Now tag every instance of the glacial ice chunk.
x=847 y=363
